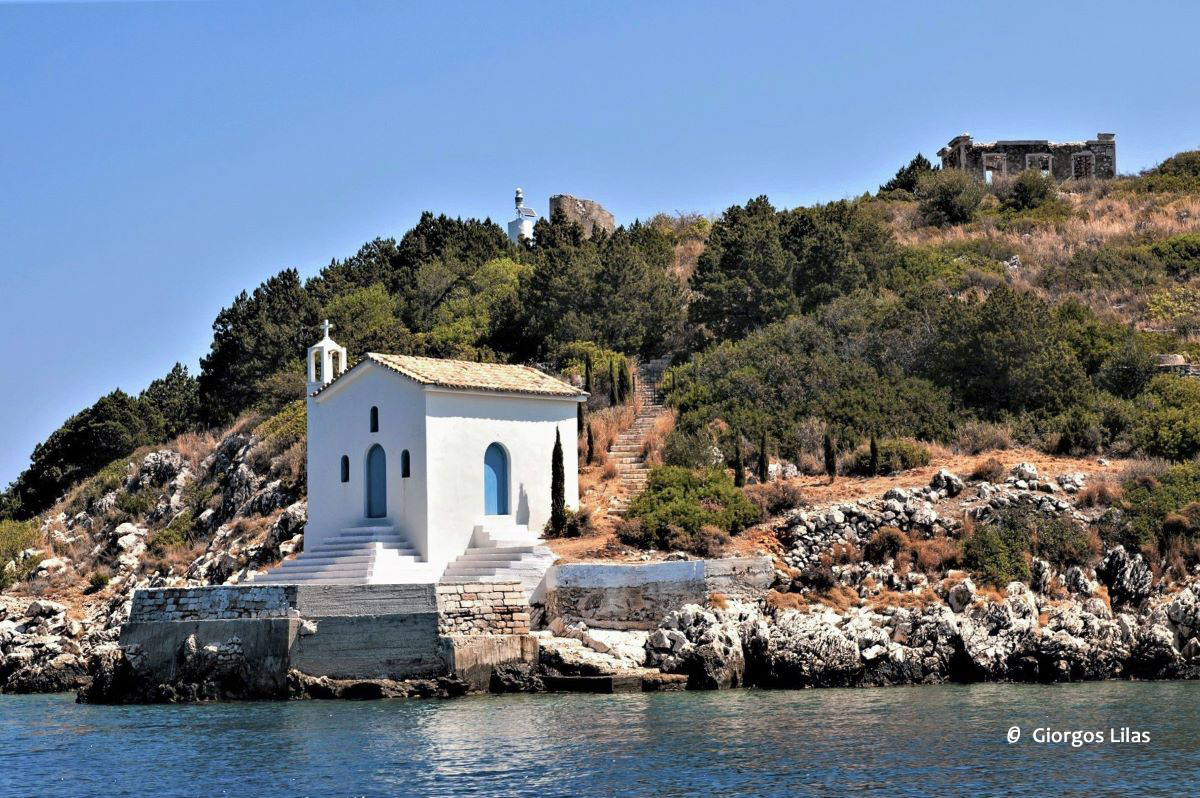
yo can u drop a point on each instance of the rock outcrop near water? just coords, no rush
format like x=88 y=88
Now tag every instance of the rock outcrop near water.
x=250 y=521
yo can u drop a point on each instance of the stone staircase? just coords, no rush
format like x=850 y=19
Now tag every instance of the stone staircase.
x=503 y=552
x=628 y=449
x=362 y=555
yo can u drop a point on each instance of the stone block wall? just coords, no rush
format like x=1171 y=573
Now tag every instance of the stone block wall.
x=638 y=596
x=482 y=608
x=217 y=603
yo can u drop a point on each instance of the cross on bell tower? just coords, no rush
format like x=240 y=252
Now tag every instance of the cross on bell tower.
x=326 y=360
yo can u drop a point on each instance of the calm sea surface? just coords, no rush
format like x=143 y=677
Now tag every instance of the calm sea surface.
x=943 y=741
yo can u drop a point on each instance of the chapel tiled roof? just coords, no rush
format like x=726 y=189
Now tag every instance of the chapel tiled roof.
x=468 y=375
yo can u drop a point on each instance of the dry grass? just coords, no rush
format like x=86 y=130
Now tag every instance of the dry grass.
x=839 y=597
x=895 y=598
x=989 y=470
x=718 y=600
x=786 y=601
x=656 y=438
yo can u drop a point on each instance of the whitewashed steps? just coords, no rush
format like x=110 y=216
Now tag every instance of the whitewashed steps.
x=355 y=556
x=503 y=552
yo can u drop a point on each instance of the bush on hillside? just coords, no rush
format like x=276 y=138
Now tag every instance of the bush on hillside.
x=1167 y=422
x=1147 y=499
x=678 y=504
x=948 y=197
x=894 y=455
x=1000 y=549
x=774 y=498
x=1029 y=190
x=16 y=537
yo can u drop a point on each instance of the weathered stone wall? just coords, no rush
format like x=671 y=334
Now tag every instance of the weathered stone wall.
x=1064 y=160
x=339 y=631
x=588 y=214
x=482 y=608
x=638 y=596
x=225 y=602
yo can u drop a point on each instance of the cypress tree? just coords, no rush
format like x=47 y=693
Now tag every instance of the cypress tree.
x=558 y=490
x=579 y=418
x=874 y=467
x=587 y=374
x=591 y=445
x=830 y=457
x=764 y=472
x=739 y=466
x=624 y=382
x=612 y=383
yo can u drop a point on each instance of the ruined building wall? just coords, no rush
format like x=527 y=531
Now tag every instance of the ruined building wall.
x=1064 y=160
x=586 y=213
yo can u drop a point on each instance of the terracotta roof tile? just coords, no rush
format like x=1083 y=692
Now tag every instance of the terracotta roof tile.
x=468 y=375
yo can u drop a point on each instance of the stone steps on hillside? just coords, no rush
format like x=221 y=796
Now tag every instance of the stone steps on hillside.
x=628 y=449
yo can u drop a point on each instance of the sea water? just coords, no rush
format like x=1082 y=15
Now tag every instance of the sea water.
x=1092 y=739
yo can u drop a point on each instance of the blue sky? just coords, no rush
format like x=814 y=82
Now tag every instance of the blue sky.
x=158 y=158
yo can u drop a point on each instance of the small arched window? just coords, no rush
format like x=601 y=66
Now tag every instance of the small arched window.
x=404 y=467
x=345 y=468
x=374 y=419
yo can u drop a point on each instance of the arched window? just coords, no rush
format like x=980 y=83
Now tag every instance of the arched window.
x=374 y=419
x=345 y=468
x=404 y=469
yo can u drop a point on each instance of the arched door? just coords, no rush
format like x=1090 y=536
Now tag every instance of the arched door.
x=376 y=482
x=495 y=480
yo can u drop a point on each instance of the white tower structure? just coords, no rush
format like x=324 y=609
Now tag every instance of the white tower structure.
x=326 y=360
x=522 y=226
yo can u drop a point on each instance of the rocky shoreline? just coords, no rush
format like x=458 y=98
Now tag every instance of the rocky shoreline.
x=872 y=625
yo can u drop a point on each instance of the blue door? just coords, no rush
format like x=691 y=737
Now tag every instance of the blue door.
x=495 y=481
x=376 y=483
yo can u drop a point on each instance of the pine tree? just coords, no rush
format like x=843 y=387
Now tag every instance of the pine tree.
x=591 y=445
x=874 y=455
x=830 y=457
x=612 y=383
x=764 y=471
x=558 y=501
x=739 y=466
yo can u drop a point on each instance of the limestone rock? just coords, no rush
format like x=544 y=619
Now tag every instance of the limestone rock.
x=588 y=214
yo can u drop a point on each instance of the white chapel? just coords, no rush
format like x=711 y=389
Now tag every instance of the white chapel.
x=421 y=469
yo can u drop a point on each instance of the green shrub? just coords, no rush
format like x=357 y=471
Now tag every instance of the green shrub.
x=894 y=455
x=1029 y=190
x=1167 y=420
x=1147 y=501
x=994 y=556
x=1000 y=549
x=948 y=196
x=98 y=580
x=174 y=533
x=576 y=524
x=679 y=503
x=135 y=503
x=689 y=449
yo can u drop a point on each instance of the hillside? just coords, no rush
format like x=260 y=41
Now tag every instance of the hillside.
x=936 y=324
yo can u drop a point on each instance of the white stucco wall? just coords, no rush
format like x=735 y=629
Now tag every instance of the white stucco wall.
x=446 y=433
x=339 y=424
x=459 y=428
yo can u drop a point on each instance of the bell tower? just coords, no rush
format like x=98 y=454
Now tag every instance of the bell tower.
x=326 y=360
